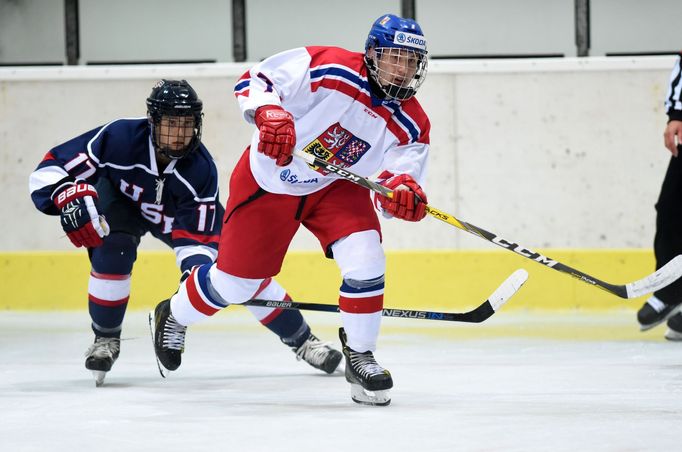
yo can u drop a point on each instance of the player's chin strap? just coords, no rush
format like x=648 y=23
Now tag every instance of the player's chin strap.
x=664 y=276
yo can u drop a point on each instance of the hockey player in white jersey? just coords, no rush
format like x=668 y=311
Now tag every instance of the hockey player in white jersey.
x=131 y=176
x=356 y=110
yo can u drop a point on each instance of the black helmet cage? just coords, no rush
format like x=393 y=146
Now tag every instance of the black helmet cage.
x=174 y=98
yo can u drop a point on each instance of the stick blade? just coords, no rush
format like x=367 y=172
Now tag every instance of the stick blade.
x=502 y=294
x=663 y=277
x=508 y=288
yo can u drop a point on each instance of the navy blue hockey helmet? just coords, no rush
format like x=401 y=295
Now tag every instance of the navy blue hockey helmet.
x=169 y=107
x=395 y=54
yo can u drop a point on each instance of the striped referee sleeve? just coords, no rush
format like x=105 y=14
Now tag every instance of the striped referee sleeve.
x=673 y=101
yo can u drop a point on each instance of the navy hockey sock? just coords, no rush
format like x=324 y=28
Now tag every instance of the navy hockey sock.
x=109 y=286
x=289 y=325
x=107 y=320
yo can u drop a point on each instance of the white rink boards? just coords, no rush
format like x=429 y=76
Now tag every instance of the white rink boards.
x=519 y=382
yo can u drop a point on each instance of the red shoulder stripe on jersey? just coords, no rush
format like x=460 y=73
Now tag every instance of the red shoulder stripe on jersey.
x=182 y=234
x=403 y=137
x=320 y=55
x=345 y=61
x=414 y=110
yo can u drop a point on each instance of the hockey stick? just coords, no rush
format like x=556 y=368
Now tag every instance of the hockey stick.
x=493 y=304
x=664 y=276
x=502 y=294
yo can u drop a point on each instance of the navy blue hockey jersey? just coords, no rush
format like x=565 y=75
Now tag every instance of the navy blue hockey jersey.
x=182 y=200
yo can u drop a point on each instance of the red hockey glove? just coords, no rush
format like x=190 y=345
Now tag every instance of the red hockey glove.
x=80 y=217
x=277 y=133
x=409 y=200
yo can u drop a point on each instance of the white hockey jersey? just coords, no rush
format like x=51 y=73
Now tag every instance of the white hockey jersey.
x=337 y=118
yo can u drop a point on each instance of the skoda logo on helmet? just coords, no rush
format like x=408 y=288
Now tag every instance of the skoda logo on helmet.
x=410 y=40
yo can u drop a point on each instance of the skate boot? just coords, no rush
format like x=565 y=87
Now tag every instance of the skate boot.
x=168 y=336
x=674 y=332
x=655 y=312
x=369 y=382
x=101 y=355
x=318 y=354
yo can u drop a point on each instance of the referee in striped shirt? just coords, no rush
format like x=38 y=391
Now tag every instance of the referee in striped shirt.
x=666 y=303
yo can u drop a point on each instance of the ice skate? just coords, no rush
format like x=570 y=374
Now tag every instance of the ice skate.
x=369 y=382
x=318 y=354
x=101 y=355
x=674 y=332
x=168 y=336
x=655 y=312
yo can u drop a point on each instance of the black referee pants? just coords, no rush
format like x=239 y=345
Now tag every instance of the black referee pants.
x=668 y=239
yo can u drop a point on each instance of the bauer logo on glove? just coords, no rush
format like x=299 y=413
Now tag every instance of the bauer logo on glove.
x=80 y=217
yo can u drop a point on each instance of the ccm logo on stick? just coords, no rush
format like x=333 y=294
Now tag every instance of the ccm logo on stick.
x=342 y=173
x=525 y=252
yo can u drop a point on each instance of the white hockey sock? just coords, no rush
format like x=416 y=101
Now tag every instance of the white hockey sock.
x=362 y=330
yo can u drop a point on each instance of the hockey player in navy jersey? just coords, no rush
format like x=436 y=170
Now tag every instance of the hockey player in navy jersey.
x=117 y=182
x=355 y=110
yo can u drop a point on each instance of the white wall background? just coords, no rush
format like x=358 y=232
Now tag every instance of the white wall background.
x=562 y=153
x=276 y=26
x=631 y=26
x=498 y=27
x=32 y=31
x=155 y=30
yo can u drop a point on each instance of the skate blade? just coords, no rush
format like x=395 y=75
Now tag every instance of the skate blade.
x=673 y=335
x=162 y=370
x=99 y=377
x=374 y=398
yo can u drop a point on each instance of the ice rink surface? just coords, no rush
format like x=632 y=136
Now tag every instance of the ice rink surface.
x=518 y=382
